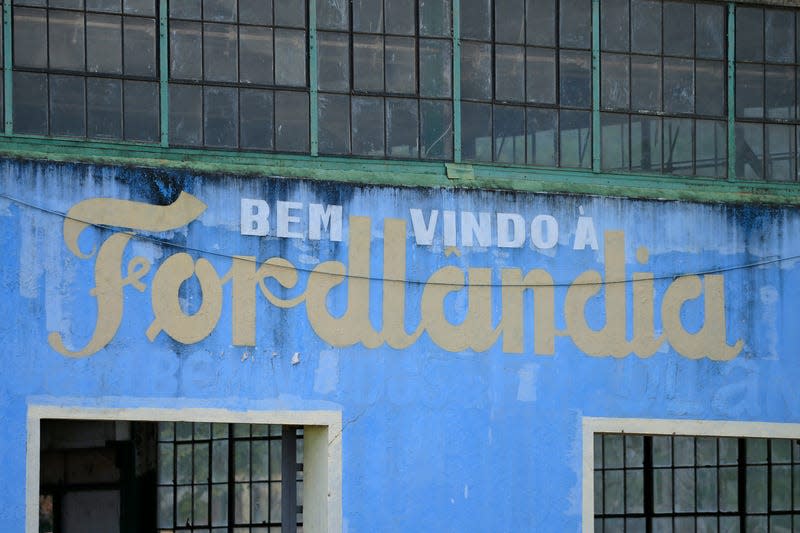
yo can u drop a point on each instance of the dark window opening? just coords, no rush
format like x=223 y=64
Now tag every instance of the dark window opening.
x=132 y=477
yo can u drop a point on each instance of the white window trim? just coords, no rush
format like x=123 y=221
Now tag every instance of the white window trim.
x=322 y=469
x=715 y=428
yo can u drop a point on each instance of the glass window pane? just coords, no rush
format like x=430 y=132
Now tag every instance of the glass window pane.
x=541 y=28
x=710 y=31
x=290 y=13
x=368 y=16
x=646 y=145
x=108 y=6
x=165 y=507
x=434 y=68
x=781 y=450
x=367 y=126
x=219 y=505
x=30 y=103
x=275 y=502
x=260 y=458
x=678 y=144
x=749 y=90
x=756 y=450
x=140 y=46
x=781 y=481
x=476 y=19
x=219 y=461
x=749 y=34
x=575 y=81
x=613 y=489
x=509 y=134
x=679 y=29
x=510 y=70
x=220 y=11
x=67 y=106
x=613 y=449
x=220 y=55
x=728 y=489
x=104 y=102
x=779 y=36
x=781 y=158
x=401 y=72
x=542 y=137
x=139 y=7
x=256 y=11
x=678 y=85
x=400 y=17
x=333 y=14
x=104 y=43
x=201 y=459
x=334 y=124
x=185 y=9
x=65 y=39
x=476 y=144
x=290 y=57
x=291 y=121
x=241 y=506
x=334 y=61
x=634 y=492
x=255 y=55
x=756 y=489
x=256 y=119
x=476 y=71
x=615 y=81
x=368 y=63
x=434 y=18
x=275 y=460
x=707 y=490
x=259 y=499
x=185 y=50
x=575 y=140
x=402 y=127
x=183 y=469
x=712 y=160
x=436 y=131
x=220 y=117
x=683 y=450
x=662 y=490
x=200 y=512
x=509 y=21
x=540 y=75
x=575 y=23
x=646 y=26
x=645 y=83
x=30 y=37
x=749 y=150
x=779 y=91
x=634 y=451
x=711 y=91
x=614 y=135
x=684 y=490
x=185 y=114
x=614 y=25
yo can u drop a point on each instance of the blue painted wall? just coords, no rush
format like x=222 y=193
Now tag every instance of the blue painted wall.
x=433 y=440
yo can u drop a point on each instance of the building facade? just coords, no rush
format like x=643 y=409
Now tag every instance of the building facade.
x=476 y=265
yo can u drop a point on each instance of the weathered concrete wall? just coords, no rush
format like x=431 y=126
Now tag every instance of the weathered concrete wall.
x=446 y=428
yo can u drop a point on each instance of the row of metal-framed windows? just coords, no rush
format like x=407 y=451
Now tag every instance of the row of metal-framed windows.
x=670 y=483
x=238 y=74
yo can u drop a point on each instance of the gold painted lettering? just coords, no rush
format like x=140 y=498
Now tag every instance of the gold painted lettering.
x=710 y=341
x=514 y=285
x=169 y=317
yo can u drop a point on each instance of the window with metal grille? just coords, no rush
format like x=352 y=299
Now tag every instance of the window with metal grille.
x=232 y=478
x=671 y=483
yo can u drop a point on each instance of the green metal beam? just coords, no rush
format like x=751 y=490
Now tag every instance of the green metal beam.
x=163 y=71
x=8 y=66
x=731 y=92
x=313 y=74
x=403 y=173
x=457 y=81
x=596 y=85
